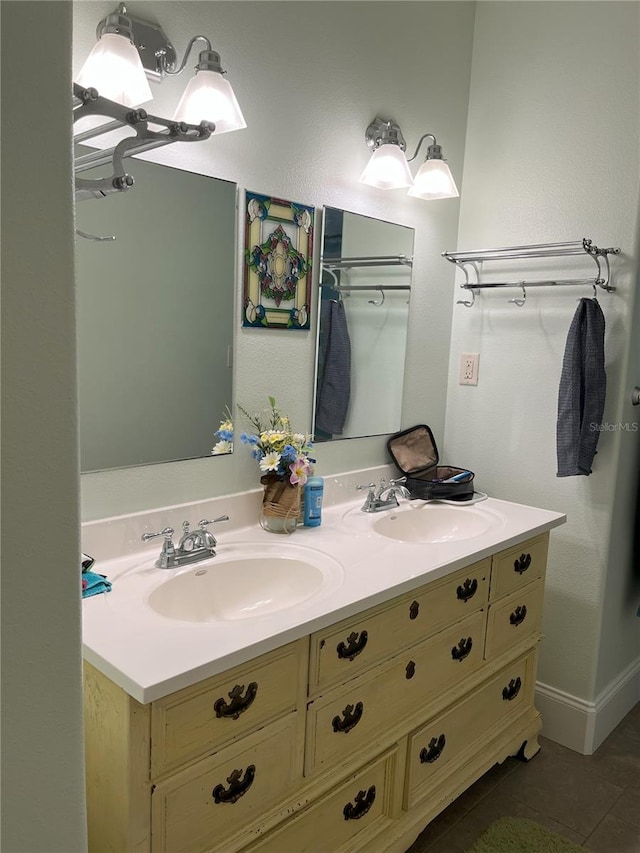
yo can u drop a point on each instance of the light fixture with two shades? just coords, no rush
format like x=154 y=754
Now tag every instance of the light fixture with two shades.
x=388 y=167
x=130 y=51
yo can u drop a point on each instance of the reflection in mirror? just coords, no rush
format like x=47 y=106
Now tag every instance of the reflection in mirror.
x=365 y=283
x=155 y=318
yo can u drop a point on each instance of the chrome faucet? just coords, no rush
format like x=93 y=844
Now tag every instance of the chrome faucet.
x=194 y=545
x=387 y=495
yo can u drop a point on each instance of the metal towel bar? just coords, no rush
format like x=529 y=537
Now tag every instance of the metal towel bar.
x=470 y=261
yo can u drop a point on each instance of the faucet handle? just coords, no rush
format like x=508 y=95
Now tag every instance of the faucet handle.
x=369 y=486
x=399 y=481
x=167 y=533
x=205 y=521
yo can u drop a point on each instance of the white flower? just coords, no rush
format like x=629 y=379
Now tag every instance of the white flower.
x=270 y=461
x=222 y=447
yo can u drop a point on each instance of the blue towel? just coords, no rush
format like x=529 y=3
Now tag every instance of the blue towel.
x=583 y=384
x=334 y=389
x=95 y=584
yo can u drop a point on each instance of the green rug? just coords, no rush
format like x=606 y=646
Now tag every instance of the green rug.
x=516 y=835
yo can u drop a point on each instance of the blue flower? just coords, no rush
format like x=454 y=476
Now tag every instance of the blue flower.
x=248 y=439
x=225 y=434
x=257 y=453
x=289 y=454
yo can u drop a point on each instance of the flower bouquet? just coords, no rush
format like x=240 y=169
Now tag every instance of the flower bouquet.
x=283 y=459
x=224 y=434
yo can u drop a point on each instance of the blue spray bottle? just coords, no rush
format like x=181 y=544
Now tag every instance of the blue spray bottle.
x=313 y=494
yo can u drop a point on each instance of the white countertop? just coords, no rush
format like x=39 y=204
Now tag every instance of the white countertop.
x=150 y=655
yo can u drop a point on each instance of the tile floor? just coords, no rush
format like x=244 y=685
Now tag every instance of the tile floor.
x=593 y=800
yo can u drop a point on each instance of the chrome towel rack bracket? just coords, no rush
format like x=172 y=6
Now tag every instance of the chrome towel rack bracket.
x=149 y=132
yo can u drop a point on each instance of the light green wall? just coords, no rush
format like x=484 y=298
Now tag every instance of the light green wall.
x=42 y=775
x=619 y=646
x=552 y=82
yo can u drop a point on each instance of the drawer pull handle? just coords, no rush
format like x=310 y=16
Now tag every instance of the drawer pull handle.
x=463 y=649
x=522 y=563
x=355 y=644
x=431 y=753
x=237 y=787
x=468 y=589
x=510 y=692
x=414 y=609
x=410 y=669
x=238 y=704
x=363 y=802
x=518 y=615
x=352 y=717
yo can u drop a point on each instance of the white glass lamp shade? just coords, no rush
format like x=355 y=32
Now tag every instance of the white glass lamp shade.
x=387 y=169
x=114 y=68
x=209 y=97
x=434 y=180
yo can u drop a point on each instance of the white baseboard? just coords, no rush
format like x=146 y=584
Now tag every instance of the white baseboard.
x=581 y=725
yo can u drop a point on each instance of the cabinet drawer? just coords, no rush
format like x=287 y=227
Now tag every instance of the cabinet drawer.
x=198 y=808
x=349 y=718
x=198 y=720
x=354 y=645
x=448 y=741
x=354 y=813
x=513 y=619
x=518 y=566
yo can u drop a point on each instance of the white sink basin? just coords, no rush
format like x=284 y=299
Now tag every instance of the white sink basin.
x=426 y=522
x=238 y=589
x=244 y=581
x=433 y=523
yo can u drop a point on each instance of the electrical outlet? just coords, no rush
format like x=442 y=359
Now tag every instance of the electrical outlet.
x=469 y=368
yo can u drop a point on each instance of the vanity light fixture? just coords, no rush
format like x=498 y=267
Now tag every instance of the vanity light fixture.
x=388 y=167
x=130 y=51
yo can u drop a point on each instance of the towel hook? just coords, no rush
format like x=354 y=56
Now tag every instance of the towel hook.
x=468 y=303
x=520 y=301
x=595 y=291
x=93 y=237
x=373 y=301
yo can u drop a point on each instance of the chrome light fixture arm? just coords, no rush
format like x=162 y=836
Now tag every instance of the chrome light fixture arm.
x=420 y=141
x=434 y=151
x=208 y=60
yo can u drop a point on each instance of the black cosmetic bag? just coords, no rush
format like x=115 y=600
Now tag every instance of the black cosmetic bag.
x=415 y=453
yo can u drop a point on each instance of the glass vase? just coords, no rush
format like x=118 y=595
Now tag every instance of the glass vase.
x=280 y=506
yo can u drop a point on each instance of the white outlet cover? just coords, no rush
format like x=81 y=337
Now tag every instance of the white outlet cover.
x=469 y=364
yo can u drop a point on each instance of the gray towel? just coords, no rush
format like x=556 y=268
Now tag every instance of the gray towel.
x=583 y=384
x=334 y=388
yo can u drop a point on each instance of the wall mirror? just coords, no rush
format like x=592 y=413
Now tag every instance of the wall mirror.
x=365 y=285
x=155 y=318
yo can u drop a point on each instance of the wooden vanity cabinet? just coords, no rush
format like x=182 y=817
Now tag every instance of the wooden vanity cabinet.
x=352 y=739
x=194 y=770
